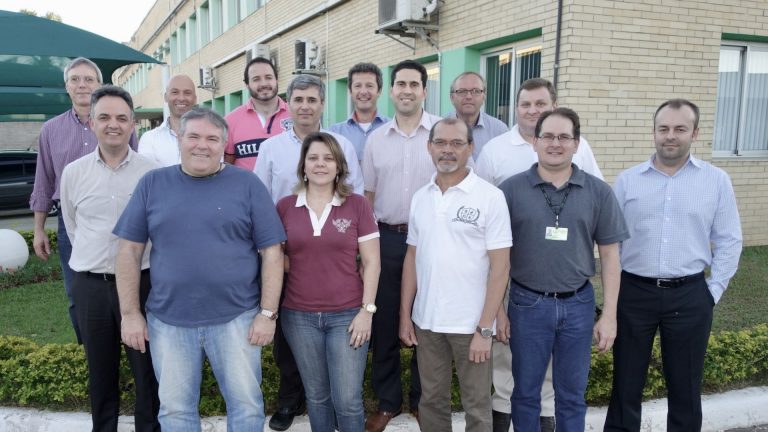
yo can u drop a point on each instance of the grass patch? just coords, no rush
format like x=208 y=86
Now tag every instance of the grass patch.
x=38 y=312
x=35 y=271
x=745 y=302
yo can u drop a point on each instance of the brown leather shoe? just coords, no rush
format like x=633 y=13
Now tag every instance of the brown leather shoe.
x=377 y=421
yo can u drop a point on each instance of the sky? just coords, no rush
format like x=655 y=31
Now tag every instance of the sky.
x=113 y=19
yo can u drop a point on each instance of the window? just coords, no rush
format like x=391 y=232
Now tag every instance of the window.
x=205 y=32
x=742 y=101
x=504 y=71
x=182 y=41
x=192 y=34
x=432 y=102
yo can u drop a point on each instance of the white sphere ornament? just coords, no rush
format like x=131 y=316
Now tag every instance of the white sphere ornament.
x=14 y=252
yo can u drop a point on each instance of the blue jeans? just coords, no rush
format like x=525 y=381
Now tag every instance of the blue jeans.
x=560 y=328
x=65 y=252
x=177 y=357
x=331 y=370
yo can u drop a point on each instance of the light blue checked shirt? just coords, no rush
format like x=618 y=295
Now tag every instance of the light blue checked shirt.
x=680 y=224
x=351 y=130
x=484 y=130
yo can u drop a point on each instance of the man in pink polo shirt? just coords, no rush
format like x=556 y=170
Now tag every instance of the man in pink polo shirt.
x=262 y=116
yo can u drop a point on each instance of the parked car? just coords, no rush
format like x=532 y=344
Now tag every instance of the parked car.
x=17 y=178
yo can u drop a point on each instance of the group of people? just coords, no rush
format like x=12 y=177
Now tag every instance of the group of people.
x=469 y=241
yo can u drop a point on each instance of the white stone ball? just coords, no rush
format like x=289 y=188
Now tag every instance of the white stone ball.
x=14 y=252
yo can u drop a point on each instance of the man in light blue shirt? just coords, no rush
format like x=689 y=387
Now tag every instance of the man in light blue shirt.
x=683 y=218
x=364 y=83
x=468 y=97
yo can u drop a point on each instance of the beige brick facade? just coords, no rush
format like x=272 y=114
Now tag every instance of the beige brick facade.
x=618 y=61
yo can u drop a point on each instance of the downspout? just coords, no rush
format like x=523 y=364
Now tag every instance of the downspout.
x=557 y=43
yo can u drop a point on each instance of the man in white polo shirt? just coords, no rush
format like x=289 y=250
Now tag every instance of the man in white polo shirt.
x=454 y=278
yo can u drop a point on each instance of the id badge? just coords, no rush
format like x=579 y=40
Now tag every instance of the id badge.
x=554 y=233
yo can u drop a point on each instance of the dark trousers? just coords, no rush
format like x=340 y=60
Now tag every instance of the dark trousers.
x=98 y=316
x=291 y=391
x=67 y=275
x=385 y=331
x=683 y=317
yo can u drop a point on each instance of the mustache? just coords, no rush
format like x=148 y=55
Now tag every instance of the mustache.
x=447 y=158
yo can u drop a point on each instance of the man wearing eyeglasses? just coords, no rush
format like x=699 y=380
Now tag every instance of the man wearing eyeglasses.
x=558 y=212
x=63 y=139
x=468 y=97
x=454 y=277
x=504 y=156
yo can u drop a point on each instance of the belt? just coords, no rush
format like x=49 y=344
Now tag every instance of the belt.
x=108 y=276
x=667 y=282
x=401 y=228
x=557 y=295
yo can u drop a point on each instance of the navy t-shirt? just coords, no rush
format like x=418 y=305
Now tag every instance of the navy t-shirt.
x=205 y=234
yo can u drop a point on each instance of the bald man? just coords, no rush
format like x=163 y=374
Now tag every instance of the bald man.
x=161 y=143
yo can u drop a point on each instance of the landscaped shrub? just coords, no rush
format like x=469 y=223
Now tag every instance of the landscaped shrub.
x=29 y=236
x=55 y=376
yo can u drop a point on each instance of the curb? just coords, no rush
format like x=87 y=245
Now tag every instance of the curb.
x=734 y=409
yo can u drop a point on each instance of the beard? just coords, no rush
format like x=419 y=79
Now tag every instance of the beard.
x=269 y=97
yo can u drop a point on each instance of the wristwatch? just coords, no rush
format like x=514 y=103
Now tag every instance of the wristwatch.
x=269 y=314
x=485 y=332
x=370 y=307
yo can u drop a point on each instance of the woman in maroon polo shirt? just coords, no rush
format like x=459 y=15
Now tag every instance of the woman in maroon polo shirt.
x=328 y=308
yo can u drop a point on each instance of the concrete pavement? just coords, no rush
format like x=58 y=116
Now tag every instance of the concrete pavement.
x=739 y=410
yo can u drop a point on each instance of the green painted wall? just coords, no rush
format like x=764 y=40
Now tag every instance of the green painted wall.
x=232 y=101
x=454 y=62
x=384 y=104
x=336 y=102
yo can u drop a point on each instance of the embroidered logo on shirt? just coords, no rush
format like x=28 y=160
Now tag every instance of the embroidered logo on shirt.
x=467 y=215
x=342 y=224
x=286 y=123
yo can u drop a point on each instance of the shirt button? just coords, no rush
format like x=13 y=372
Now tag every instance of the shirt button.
x=85 y=144
x=664 y=240
x=669 y=198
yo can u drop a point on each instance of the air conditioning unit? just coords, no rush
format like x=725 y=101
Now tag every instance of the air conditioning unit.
x=396 y=11
x=207 y=79
x=255 y=51
x=307 y=55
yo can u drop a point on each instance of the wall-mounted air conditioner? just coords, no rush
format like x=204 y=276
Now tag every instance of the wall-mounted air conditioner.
x=307 y=55
x=396 y=11
x=255 y=51
x=207 y=80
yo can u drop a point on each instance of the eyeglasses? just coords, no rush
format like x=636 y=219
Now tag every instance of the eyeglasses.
x=456 y=144
x=563 y=139
x=75 y=79
x=473 y=92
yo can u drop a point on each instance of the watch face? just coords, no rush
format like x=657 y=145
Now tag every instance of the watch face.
x=486 y=332
x=370 y=308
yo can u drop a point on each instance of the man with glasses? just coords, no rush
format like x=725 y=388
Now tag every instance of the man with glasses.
x=63 y=139
x=454 y=277
x=504 y=156
x=468 y=97
x=558 y=212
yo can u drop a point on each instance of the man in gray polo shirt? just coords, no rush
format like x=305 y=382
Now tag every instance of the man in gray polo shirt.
x=558 y=213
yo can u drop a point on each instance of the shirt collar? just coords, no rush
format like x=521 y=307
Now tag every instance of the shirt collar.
x=76 y=119
x=425 y=121
x=301 y=199
x=465 y=185
x=281 y=105
x=352 y=120
x=480 y=119
x=517 y=137
x=166 y=124
x=97 y=157
x=578 y=177
x=692 y=161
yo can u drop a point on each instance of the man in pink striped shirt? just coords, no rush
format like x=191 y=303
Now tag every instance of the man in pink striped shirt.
x=62 y=140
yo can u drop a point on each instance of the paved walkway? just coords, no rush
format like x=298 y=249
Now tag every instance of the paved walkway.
x=736 y=411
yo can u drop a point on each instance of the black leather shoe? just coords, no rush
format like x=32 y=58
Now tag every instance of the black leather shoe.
x=547 y=424
x=282 y=419
x=501 y=421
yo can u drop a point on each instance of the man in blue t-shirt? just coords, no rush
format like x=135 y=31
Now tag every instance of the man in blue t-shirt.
x=208 y=224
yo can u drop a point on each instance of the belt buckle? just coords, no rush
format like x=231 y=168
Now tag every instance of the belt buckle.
x=659 y=283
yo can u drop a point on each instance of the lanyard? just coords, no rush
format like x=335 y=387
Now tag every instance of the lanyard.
x=556 y=209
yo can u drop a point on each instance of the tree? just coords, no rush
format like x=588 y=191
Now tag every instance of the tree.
x=48 y=15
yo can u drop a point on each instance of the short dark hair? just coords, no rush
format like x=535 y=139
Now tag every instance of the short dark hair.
x=206 y=114
x=341 y=187
x=565 y=113
x=464 y=74
x=533 y=84
x=111 y=90
x=258 y=60
x=409 y=64
x=364 y=68
x=677 y=104
x=305 y=81
x=452 y=121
